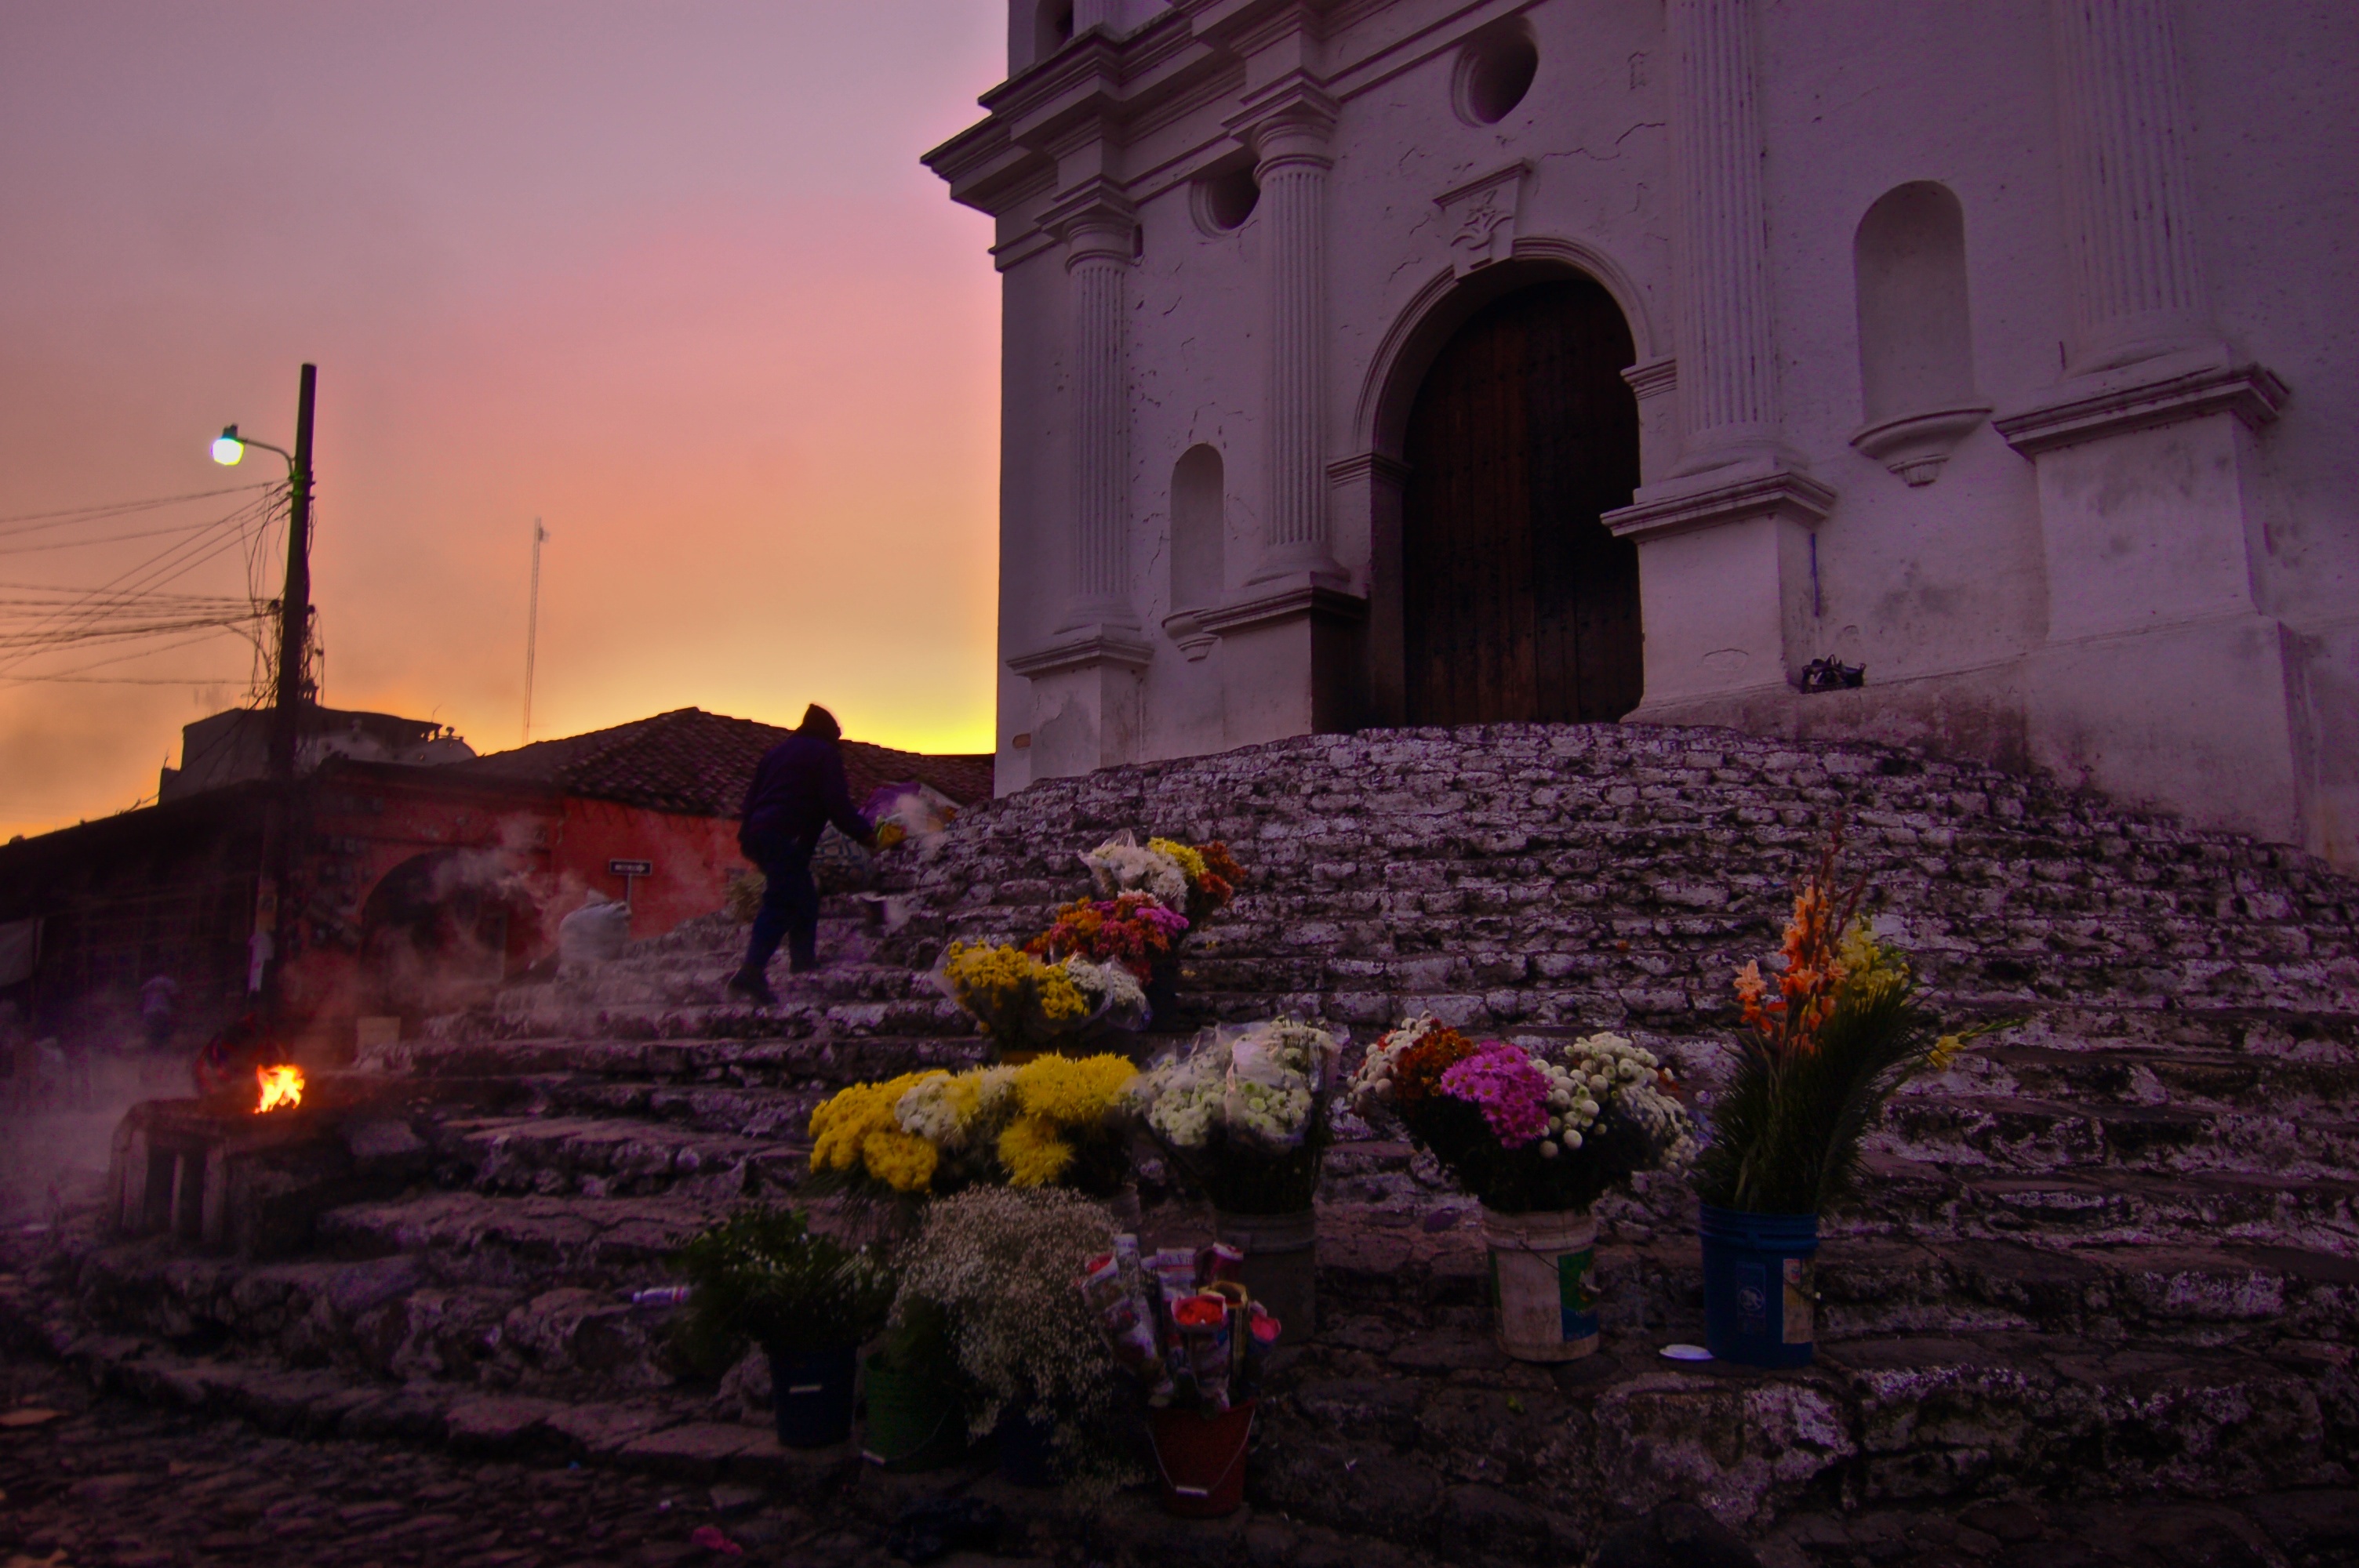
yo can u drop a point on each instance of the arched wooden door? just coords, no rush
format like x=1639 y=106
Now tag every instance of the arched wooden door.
x=1517 y=604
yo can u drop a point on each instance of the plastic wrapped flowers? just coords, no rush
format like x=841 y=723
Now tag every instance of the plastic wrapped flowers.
x=1024 y=1004
x=1525 y=1128
x=1191 y=880
x=1054 y=1121
x=1243 y=1109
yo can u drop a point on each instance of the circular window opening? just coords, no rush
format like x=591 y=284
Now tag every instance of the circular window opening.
x=1495 y=72
x=1223 y=202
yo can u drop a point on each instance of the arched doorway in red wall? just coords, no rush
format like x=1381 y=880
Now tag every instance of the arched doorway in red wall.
x=441 y=930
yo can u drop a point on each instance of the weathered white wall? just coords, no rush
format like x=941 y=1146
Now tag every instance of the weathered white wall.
x=1989 y=606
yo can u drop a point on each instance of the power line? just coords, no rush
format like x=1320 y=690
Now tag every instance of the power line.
x=109 y=539
x=116 y=508
x=73 y=620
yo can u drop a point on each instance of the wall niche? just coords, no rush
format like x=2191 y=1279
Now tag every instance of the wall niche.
x=1916 y=339
x=1200 y=526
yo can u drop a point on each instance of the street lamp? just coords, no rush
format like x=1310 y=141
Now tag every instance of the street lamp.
x=229 y=447
x=294 y=628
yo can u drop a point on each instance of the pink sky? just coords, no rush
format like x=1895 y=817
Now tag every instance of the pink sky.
x=668 y=275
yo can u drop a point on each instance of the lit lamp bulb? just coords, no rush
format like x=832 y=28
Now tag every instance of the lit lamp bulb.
x=227 y=447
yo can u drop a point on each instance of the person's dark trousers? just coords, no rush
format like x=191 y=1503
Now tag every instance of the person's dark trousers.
x=789 y=905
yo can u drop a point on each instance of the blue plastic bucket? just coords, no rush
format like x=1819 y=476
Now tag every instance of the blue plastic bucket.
x=811 y=1392
x=1760 y=1287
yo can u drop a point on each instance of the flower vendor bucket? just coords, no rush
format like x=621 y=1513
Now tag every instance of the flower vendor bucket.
x=1543 y=1284
x=1028 y=1454
x=914 y=1423
x=811 y=1390
x=1282 y=1267
x=1759 y=1294
x=1199 y=1460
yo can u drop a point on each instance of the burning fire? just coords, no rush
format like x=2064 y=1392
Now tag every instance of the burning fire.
x=281 y=1087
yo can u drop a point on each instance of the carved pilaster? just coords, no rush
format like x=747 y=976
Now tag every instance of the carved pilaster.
x=1290 y=137
x=1099 y=238
x=2137 y=282
x=1728 y=371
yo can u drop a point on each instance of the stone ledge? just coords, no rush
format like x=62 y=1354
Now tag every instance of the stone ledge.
x=2159 y=392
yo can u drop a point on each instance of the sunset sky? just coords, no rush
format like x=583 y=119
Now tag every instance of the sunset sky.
x=667 y=276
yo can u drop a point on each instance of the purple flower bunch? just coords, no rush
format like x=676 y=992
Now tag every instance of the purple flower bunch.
x=1169 y=922
x=1511 y=1092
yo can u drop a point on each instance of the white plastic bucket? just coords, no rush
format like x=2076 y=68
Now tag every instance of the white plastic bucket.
x=1281 y=1267
x=1544 y=1283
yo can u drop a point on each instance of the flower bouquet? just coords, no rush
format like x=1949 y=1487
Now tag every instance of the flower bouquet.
x=1244 y=1112
x=1053 y=1121
x=1192 y=879
x=1821 y=1049
x=1186 y=1329
x=1026 y=1003
x=1131 y=929
x=993 y=1268
x=761 y=1276
x=1537 y=1137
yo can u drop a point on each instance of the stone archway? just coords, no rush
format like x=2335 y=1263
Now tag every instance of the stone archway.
x=442 y=930
x=1516 y=603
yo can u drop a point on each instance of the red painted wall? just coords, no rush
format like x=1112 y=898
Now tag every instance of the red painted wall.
x=692 y=856
x=367 y=823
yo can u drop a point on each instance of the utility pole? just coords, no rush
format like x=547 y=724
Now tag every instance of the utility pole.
x=273 y=907
x=532 y=625
x=295 y=600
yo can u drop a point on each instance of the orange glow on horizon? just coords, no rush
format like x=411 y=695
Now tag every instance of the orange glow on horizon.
x=675 y=284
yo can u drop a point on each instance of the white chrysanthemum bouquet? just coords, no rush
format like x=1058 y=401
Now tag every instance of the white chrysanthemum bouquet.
x=1244 y=1112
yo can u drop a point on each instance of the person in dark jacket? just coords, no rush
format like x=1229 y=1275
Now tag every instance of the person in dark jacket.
x=797 y=790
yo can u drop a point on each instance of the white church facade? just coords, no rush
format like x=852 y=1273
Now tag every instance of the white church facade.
x=1977 y=374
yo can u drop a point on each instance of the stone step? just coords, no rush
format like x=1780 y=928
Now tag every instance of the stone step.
x=779 y=1115
x=1378 y=1263
x=755 y=1062
x=470 y=1287
x=2093 y=1065
x=609 y=1156
x=2102 y=1204
x=2046 y=1135
x=536 y=1243
x=1454 y=1452
x=798 y=1012
x=701 y=979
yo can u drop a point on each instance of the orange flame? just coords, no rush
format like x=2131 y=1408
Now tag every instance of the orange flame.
x=281 y=1087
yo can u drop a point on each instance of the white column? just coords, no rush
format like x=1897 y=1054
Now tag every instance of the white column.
x=1727 y=355
x=2138 y=288
x=1294 y=161
x=1098 y=248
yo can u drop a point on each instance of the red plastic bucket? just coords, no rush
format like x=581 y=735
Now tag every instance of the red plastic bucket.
x=1200 y=1459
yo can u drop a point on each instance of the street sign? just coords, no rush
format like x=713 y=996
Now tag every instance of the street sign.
x=631 y=868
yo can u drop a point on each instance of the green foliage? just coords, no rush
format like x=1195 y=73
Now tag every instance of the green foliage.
x=1786 y=1129
x=762 y=1276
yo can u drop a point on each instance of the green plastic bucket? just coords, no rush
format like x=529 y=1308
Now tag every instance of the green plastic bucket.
x=914 y=1422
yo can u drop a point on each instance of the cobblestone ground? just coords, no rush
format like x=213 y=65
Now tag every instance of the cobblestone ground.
x=108 y=1481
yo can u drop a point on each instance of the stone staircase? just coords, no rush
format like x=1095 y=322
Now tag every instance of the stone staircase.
x=2113 y=1252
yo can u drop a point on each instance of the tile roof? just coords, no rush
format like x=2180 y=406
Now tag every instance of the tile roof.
x=698 y=763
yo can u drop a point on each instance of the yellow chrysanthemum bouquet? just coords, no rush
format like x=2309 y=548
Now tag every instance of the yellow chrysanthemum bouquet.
x=1053 y=1121
x=1029 y=1003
